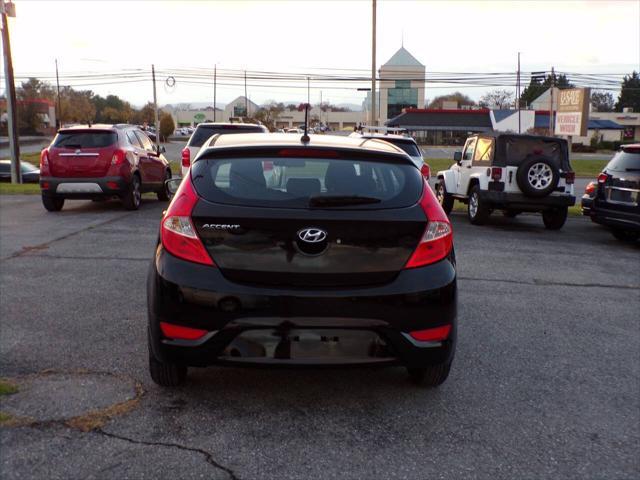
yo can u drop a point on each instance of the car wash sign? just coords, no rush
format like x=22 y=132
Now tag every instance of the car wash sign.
x=573 y=112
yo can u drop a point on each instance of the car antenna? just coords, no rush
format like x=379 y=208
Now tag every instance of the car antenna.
x=305 y=138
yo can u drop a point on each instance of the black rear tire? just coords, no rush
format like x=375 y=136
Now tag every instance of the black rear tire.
x=555 y=218
x=625 y=235
x=431 y=376
x=477 y=210
x=163 y=193
x=131 y=200
x=445 y=199
x=166 y=374
x=52 y=204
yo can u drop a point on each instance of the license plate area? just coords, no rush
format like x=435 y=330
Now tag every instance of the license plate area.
x=307 y=345
x=623 y=195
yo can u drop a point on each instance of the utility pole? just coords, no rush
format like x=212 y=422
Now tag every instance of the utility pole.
x=373 y=64
x=215 y=85
x=321 y=106
x=58 y=109
x=246 y=101
x=553 y=83
x=8 y=9
x=155 y=107
x=308 y=91
x=518 y=96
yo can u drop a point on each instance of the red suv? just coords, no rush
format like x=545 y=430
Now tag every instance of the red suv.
x=102 y=161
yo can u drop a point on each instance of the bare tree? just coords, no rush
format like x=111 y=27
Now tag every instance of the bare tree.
x=497 y=99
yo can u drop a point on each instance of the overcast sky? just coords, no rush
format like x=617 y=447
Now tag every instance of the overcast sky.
x=284 y=36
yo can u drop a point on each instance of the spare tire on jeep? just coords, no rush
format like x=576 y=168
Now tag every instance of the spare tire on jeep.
x=537 y=176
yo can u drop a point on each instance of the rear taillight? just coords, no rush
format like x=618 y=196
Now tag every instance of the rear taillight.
x=186 y=157
x=496 y=174
x=590 y=188
x=118 y=157
x=178 y=235
x=603 y=177
x=44 y=163
x=570 y=177
x=437 y=240
x=436 y=334
x=426 y=171
x=179 y=332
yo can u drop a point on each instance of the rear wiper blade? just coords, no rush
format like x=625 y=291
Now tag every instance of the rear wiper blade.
x=71 y=145
x=632 y=169
x=340 y=200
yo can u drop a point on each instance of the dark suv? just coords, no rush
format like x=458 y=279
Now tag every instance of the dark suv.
x=279 y=252
x=616 y=199
x=102 y=161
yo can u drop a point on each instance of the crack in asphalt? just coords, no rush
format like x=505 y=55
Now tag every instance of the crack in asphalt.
x=548 y=283
x=208 y=457
x=44 y=245
x=71 y=257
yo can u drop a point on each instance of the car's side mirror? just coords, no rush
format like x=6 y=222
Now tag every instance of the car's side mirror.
x=160 y=149
x=172 y=185
x=457 y=156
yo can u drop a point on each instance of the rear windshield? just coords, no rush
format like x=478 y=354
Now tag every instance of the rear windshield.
x=625 y=161
x=518 y=149
x=202 y=134
x=408 y=146
x=94 y=139
x=308 y=182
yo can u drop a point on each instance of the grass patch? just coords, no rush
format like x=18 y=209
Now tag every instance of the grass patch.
x=582 y=167
x=19 y=188
x=7 y=388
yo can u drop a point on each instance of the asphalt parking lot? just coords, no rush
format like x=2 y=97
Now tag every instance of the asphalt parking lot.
x=545 y=384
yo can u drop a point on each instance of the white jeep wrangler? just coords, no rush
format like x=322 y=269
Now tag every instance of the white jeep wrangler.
x=513 y=173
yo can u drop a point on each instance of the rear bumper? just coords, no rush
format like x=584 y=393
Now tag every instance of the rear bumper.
x=518 y=201
x=83 y=188
x=371 y=324
x=615 y=218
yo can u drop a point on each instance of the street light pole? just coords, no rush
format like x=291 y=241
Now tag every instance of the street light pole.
x=373 y=64
x=58 y=111
x=155 y=107
x=12 y=125
x=215 y=85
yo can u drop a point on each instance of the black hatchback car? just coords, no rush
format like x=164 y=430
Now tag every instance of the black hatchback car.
x=615 y=202
x=277 y=252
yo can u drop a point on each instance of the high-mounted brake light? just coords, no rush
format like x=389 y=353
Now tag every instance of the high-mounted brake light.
x=603 y=177
x=186 y=157
x=426 y=171
x=437 y=240
x=496 y=173
x=308 y=152
x=178 y=235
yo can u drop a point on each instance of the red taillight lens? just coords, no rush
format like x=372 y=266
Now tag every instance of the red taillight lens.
x=590 y=188
x=118 y=157
x=44 y=185
x=179 y=332
x=426 y=171
x=112 y=185
x=432 y=334
x=186 y=157
x=44 y=163
x=178 y=235
x=603 y=177
x=496 y=173
x=570 y=177
x=437 y=240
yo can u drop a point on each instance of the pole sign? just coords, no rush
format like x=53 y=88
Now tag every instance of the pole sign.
x=572 y=117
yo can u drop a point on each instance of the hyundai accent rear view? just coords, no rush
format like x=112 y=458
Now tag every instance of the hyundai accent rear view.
x=283 y=253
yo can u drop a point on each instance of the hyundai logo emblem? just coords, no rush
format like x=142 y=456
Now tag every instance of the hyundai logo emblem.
x=312 y=235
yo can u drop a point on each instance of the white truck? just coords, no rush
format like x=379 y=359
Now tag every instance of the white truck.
x=510 y=172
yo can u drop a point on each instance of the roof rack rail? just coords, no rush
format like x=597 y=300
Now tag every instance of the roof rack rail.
x=392 y=130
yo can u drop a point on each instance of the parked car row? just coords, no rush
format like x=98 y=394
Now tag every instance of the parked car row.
x=30 y=173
